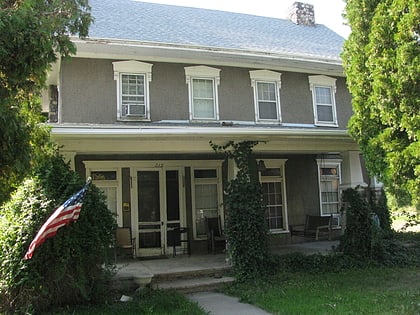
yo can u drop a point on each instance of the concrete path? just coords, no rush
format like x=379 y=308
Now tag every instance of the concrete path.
x=220 y=304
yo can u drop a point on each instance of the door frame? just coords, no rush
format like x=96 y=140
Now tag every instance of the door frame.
x=161 y=167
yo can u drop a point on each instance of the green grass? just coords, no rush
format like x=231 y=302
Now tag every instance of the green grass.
x=370 y=291
x=147 y=302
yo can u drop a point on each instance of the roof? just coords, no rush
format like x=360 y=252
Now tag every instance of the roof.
x=160 y=24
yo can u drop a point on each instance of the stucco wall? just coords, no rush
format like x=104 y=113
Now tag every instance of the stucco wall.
x=88 y=94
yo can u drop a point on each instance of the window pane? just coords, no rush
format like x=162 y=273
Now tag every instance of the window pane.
x=267 y=110
x=111 y=198
x=266 y=91
x=323 y=95
x=202 y=88
x=203 y=108
x=325 y=113
x=205 y=204
x=208 y=173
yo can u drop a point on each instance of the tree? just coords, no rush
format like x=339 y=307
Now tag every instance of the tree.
x=382 y=63
x=32 y=33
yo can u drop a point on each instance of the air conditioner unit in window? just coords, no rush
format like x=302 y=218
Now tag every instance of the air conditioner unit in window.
x=135 y=110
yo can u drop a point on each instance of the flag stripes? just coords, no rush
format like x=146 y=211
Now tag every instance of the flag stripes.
x=68 y=212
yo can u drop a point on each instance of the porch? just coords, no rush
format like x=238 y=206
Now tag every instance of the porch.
x=196 y=272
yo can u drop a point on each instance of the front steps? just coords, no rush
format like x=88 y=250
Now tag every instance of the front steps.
x=193 y=281
x=188 y=279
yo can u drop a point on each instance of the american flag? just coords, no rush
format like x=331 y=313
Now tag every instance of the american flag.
x=68 y=212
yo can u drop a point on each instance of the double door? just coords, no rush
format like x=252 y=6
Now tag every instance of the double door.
x=158 y=209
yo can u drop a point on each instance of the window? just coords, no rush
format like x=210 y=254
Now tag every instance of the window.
x=203 y=96
x=274 y=195
x=206 y=197
x=266 y=86
x=323 y=96
x=133 y=79
x=329 y=173
x=108 y=183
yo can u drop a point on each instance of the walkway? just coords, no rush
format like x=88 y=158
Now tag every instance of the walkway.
x=220 y=304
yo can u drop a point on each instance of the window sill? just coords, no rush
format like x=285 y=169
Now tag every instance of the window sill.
x=325 y=124
x=133 y=119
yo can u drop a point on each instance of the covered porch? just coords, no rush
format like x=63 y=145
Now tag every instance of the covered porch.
x=196 y=272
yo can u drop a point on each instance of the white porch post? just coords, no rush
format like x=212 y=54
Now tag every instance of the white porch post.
x=351 y=171
x=69 y=157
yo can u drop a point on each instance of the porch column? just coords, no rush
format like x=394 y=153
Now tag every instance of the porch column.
x=69 y=158
x=351 y=170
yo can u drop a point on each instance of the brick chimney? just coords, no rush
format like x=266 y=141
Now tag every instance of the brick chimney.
x=302 y=14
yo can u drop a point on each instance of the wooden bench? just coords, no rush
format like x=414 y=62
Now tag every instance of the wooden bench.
x=314 y=224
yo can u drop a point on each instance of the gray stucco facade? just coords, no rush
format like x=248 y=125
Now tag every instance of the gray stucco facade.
x=89 y=94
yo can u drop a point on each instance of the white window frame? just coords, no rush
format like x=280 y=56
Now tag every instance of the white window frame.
x=205 y=73
x=98 y=167
x=323 y=81
x=206 y=165
x=329 y=163
x=278 y=163
x=266 y=76
x=132 y=67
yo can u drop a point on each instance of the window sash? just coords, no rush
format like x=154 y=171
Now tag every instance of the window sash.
x=267 y=100
x=133 y=95
x=203 y=98
x=324 y=104
x=273 y=200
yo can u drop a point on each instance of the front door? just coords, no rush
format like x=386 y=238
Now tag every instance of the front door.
x=158 y=200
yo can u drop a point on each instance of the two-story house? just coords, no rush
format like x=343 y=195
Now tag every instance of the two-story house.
x=136 y=107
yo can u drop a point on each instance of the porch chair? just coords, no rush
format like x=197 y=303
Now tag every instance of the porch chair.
x=124 y=240
x=177 y=238
x=214 y=233
x=314 y=224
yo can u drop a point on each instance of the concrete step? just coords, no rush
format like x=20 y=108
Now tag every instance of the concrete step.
x=191 y=285
x=217 y=272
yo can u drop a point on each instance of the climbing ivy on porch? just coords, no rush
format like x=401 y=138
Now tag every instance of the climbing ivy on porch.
x=246 y=229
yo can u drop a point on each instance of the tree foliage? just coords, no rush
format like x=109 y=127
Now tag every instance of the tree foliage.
x=382 y=64
x=70 y=268
x=32 y=33
x=246 y=228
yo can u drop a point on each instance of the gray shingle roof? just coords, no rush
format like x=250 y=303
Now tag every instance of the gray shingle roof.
x=168 y=24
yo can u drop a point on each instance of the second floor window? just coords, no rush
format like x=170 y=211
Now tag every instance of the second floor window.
x=203 y=92
x=323 y=96
x=133 y=79
x=266 y=85
x=133 y=95
x=203 y=99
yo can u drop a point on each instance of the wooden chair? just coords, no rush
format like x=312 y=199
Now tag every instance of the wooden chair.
x=314 y=224
x=214 y=233
x=125 y=241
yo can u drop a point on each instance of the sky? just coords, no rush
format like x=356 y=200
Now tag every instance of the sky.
x=327 y=12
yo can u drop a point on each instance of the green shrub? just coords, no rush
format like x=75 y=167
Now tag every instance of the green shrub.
x=69 y=268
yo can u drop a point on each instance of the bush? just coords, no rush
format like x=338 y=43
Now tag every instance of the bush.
x=69 y=268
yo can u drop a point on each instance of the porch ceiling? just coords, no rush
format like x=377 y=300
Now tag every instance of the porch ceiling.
x=196 y=140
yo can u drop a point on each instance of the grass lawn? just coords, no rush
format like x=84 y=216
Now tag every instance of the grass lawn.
x=373 y=291
x=148 y=302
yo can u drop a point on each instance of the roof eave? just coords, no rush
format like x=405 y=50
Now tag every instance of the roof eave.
x=167 y=52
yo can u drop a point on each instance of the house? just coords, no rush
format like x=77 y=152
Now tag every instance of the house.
x=136 y=107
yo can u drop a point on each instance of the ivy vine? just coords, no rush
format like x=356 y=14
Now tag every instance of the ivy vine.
x=246 y=229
